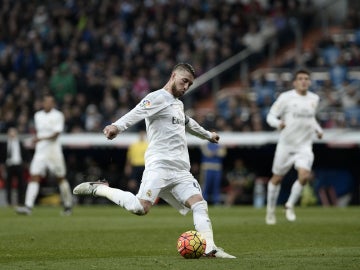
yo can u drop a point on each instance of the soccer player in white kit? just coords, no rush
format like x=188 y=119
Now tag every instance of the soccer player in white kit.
x=167 y=165
x=49 y=123
x=294 y=114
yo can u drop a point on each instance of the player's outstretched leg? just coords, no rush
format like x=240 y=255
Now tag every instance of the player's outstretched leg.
x=122 y=198
x=89 y=188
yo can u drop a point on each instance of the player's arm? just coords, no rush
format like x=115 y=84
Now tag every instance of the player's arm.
x=318 y=130
x=131 y=118
x=52 y=137
x=57 y=128
x=276 y=110
x=195 y=129
x=148 y=106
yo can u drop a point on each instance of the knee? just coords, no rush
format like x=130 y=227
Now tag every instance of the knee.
x=304 y=177
x=200 y=205
x=193 y=200
x=35 y=178
x=276 y=179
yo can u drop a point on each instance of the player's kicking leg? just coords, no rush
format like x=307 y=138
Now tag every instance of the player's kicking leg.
x=89 y=188
x=122 y=198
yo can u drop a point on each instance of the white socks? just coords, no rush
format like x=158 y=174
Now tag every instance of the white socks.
x=65 y=193
x=295 y=194
x=203 y=224
x=31 y=193
x=125 y=199
x=272 y=196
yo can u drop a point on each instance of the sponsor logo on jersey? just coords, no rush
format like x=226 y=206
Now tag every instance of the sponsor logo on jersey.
x=177 y=121
x=145 y=103
x=303 y=115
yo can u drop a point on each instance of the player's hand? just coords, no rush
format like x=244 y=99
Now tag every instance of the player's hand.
x=35 y=140
x=319 y=135
x=282 y=126
x=214 y=137
x=110 y=131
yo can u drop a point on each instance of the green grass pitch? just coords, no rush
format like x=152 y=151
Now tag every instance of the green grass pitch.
x=108 y=237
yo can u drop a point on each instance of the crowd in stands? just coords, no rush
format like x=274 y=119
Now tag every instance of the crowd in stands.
x=244 y=108
x=99 y=58
x=334 y=62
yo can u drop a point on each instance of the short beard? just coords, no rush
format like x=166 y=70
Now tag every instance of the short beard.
x=174 y=91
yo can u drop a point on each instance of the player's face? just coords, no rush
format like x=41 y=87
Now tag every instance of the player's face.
x=182 y=80
x=48 y=103
x=12 y=132
x=302 y=83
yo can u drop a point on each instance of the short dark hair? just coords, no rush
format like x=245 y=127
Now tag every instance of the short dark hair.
x=185 y=66
x=301 y=71
x=48 y=95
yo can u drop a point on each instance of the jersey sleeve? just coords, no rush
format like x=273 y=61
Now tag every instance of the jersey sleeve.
x=317 y=126
x=148 y=106
x=59 y=126
x=275 y=112
x=195 y=129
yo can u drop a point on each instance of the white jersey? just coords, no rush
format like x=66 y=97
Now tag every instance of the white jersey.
x=48 y=153
x=165 y=125
x=47 y=124
x=298 y=113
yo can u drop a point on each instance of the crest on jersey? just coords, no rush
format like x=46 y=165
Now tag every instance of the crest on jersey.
x=145 y=103
x=149 y=193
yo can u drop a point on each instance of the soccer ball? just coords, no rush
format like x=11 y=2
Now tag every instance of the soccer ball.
x=191 y=245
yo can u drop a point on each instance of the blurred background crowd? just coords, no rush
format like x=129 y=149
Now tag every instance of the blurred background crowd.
x=100 y=58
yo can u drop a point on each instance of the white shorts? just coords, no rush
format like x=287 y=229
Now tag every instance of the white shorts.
x=54 y=163
x=286 y=157
x=174 y=187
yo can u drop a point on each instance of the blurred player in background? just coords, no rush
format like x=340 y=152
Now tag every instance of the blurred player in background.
x=48 y=156
x=167 y=171
x=294 y=114
x=211 y=171
x=135 y=162
x=241 y=182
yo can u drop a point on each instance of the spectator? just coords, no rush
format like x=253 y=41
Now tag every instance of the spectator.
x=241 y=183
x=15 y=156
x=62 y=82
x=102 y=50
x=93 y=119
